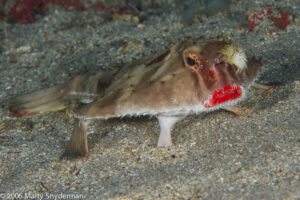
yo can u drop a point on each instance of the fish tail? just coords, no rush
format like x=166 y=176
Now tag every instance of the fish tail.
x=47 y=100
x=84 y=88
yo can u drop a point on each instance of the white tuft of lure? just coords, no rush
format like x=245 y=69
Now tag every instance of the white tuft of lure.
x=235 y=56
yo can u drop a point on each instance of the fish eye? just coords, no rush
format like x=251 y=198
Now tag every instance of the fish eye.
x=190 y=61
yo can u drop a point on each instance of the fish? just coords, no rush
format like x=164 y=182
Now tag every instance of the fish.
x=191 y=77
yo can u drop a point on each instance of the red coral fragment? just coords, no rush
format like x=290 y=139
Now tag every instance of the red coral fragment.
x=68 y=183
x=282 y=21
x=23 y=10
x=256 y=17
x=267 y=14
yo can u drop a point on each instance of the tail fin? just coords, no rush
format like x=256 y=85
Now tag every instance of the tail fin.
x=51 y=99
x=84 y=88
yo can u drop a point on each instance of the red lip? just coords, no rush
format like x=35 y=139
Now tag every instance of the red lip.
x=227 y=93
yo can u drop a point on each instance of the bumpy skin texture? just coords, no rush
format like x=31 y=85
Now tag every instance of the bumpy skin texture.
x=191 y=77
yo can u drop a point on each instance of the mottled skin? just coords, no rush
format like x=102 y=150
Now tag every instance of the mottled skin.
x=191 y=77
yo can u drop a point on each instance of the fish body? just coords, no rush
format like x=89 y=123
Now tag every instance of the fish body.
x=191 y=77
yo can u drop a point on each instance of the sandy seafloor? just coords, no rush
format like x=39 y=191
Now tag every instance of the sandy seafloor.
x=215 y=156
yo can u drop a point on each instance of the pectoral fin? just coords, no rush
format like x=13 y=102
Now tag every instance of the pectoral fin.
x=78 y=144
x=166 y=124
